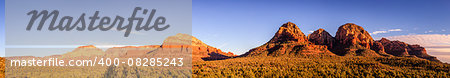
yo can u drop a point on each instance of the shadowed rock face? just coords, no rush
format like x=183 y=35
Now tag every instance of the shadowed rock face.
x=288 y=32
x=352 y=34
x=395 y=48
x=379 y=48
x=288 y=41
x=321 y=37
x=398 y=48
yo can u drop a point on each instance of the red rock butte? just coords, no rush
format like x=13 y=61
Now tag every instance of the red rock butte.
x=350 y=40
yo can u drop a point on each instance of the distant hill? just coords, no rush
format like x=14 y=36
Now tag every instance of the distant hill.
x=184 y=43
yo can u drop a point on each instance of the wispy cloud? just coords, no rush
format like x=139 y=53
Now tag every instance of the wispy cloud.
x=222 y=45
x=378 y=32
x=432 y=31
x=395 y=30
x=311 y=31
x=390 y=30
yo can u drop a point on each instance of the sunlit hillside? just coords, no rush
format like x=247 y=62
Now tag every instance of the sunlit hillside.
x=321 y=66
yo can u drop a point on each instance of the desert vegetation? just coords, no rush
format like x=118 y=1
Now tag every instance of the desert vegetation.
x=321 y=66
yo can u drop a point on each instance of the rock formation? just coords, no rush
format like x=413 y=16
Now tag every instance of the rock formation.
x=321 y=37
x=351 y=34
x=288 y=41
x=352 y=39
x=288 y=32
x=402 y=49
x=84 y=51
x=395 y=48
x=379 y=48
x=184 y=43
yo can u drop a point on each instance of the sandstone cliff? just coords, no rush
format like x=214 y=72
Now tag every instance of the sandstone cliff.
x=352 y=39
x=187 y=44
x=402 y=49
x=288 y=41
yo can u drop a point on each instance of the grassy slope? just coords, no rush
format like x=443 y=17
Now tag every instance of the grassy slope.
x=321 y=66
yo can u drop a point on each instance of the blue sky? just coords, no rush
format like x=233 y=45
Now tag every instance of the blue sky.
x=238 y=26
x=2 y=28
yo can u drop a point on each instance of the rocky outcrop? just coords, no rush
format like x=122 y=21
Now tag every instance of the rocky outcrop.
x=321 y=37
x=379 y=48
x=84 y=52
x=288 y=41
x=352 y=39
x=183 y=39
x=352 y=34
x=395 y=48
x=420 y=52
x=184 y=43
x=402 y=49
x=288 y=32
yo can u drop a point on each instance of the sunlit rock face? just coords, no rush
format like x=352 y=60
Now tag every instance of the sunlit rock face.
x=289 y=40
x=352 y=34
x=288 y=32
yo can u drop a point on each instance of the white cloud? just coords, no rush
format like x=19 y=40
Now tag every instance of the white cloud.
x=395 y=30
x=390 y=30
x=377 y=32
x=311 y=31
x=443 y=50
